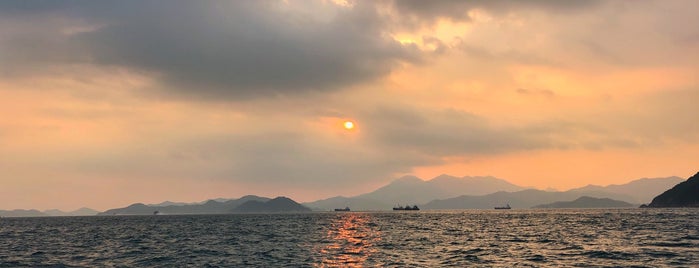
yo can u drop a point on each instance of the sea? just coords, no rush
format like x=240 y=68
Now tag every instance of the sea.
x=465 y=238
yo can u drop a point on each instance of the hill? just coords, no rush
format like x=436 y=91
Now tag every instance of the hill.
x=170 y=203
x=588 y=202
x=413 y=190
x=637 y=191
x=520 y=199
x=279 y=204
x=209 y=207
x=78 y=212
x=684 y=194
x=22 y=213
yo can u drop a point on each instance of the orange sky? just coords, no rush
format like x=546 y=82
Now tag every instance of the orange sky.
x=104 y=107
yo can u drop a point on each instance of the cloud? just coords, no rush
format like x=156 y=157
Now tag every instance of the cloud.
x=660 y=117
x=429 y=11
x=536 y=92
x=215 y=49
x=280 y=150
x=444 y=133
x=301 y=161
x=290 y=160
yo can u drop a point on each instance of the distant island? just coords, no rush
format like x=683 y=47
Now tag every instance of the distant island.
x=47 y=213
x=245 y=204
x=22 y=213
x=684 y=194
x=279 y=204
x=588 y=202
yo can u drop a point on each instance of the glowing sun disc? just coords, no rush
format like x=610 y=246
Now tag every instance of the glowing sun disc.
x=349 y=125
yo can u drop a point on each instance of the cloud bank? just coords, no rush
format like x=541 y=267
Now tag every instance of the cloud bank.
x=213 y=49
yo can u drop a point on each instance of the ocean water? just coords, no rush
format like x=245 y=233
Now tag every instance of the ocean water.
x=471 y=238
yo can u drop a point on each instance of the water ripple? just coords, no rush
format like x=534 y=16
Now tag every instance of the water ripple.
x=533 y=238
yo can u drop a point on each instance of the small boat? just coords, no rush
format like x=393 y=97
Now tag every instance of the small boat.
x=414 y=207
x=504 y=207
x=343 y=209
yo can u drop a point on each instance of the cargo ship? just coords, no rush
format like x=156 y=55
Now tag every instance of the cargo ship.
x=406 y=208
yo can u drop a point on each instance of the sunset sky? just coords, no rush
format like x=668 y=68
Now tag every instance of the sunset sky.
x=108 y=103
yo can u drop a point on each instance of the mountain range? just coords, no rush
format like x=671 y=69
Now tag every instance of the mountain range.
x=78 y=212
x=209 y=207
x=47 y=213
x=410 y=190
x=22 y=213
x=639 y=191
x=520 y=199
x=449 y=192
x=634 y=192
x=588 y=202
x=441 y=192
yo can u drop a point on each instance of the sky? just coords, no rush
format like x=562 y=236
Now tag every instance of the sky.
x=108 y=103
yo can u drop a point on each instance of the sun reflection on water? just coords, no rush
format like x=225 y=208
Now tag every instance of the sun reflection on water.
x=352 y=238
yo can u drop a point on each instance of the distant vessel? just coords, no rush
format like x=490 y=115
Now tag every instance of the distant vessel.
x=504 y=207
x=343 y=209
x=156 y=212
x=406 y=208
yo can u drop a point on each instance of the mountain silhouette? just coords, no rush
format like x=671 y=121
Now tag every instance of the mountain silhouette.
x=441 y=192
x=279 y=204
x=208 y=207
x=637 y=191
x=588 y=202
x=519 y=199
x=78 y=212
x=170 y=203
x=684 y=194
x=413 y=190
x=22 y=213
x=481 y=192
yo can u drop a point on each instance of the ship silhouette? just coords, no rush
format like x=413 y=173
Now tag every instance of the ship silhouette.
x=414 y=207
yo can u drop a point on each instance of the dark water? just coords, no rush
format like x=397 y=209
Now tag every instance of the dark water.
x=536 y=238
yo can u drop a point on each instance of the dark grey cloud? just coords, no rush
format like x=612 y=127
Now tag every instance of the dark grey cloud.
x=218 y=48
x=458 y=9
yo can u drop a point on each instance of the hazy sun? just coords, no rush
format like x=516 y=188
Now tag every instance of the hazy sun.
x=349 y=125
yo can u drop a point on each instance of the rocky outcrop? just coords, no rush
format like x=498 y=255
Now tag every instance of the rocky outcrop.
x=685 y=194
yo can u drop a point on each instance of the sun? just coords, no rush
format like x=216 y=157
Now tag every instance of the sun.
x=348 y=125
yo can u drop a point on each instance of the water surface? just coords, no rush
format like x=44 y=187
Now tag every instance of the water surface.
x=535 y=238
